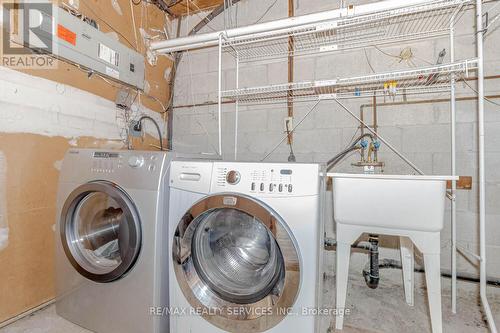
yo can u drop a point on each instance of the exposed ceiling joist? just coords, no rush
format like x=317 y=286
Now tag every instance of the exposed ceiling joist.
x=183 y=7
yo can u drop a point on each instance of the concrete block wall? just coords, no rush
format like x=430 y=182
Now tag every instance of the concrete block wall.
x=421 y=132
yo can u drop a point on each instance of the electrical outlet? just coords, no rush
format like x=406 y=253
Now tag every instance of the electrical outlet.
x=289 y=121
x=133 y=132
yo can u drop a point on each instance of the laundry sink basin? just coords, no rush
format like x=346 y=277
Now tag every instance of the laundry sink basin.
x=390 y=201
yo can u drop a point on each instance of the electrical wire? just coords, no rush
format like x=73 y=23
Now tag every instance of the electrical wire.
x=267 y=11
x=209 y=140
x=138 y=127
x=291 y=131
x=368 y=61
x=154 y=99
x=493 y=20
x=132 y=14
x=291 y=157
x=406 y=55
x=474 y=90
x=197 y=14
x=386 y=53
x=97 y=16
x=353 y=136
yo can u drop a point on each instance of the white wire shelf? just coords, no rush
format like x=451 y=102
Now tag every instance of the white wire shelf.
x=433 y=79
x=428 y=20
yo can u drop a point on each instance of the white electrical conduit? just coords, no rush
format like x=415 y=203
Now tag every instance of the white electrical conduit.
x=482 y=177
x=212 y=39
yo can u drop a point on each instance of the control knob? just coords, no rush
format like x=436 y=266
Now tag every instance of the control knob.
x=233 y=177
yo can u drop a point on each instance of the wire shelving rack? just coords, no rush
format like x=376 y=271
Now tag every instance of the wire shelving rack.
x=432 y=79
x=350 y=31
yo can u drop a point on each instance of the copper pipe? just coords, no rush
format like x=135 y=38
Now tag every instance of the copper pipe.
x=427 y=101
x=375 y=125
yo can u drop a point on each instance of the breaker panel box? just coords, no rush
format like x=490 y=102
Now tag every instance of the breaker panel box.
x=79 y=42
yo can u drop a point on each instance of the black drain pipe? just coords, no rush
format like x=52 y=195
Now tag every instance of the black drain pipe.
x=372 y=275
x=330 y=244
x=371 y=272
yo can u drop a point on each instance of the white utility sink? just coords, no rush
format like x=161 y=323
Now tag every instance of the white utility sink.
x=390 y=201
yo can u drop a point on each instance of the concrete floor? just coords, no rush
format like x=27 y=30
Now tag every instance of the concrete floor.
x=373 y=311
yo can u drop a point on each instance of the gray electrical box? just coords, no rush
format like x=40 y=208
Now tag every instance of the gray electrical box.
x=81 y=43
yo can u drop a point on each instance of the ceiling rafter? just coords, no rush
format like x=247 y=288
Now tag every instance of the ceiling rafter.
x=178 y=8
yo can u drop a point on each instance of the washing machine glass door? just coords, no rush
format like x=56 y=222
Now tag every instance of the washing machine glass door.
x=100 y=231
x=236 y=262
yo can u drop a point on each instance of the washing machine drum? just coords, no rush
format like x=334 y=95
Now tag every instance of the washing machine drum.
x=236 y=255
x=235 y=258
x=100 y=231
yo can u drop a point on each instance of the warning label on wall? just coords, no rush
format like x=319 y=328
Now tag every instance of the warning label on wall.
x=66 y=34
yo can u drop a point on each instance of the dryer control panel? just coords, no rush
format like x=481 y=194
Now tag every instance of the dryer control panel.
x=269 y=179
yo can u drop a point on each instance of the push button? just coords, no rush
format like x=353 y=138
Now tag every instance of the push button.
x=280 y=188
x=136 y=161
x=252 y=187
x=262 y=186
x=290 y=188
x=271 y=187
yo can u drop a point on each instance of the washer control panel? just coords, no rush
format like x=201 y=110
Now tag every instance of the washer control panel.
x=111 y=162
x=272 y=180
x=128 y=168
x=266 y=178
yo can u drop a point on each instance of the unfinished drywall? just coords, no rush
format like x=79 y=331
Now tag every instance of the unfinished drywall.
x=421 y=132
x=4 y=226
x=69 y=112
x=115 y=17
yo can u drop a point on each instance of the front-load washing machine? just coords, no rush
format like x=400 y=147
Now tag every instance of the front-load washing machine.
x=111 y=241
x=245 y=247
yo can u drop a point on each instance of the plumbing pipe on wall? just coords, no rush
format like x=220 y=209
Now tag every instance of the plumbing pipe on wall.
x=453 y=130
x=482 y=177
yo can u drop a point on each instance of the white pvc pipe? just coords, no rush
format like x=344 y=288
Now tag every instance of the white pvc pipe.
x=482 y=177
x=212 y=38
x=219 y=96
x=237 y=110
x=453 y=173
